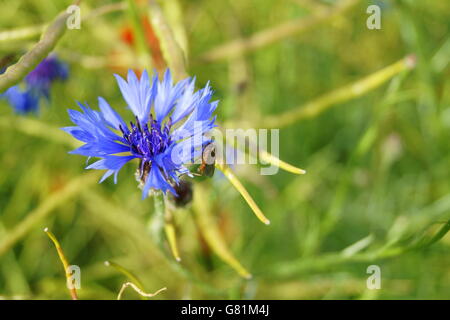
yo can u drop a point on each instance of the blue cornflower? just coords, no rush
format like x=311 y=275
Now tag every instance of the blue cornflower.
x=23 y=101
x=49 y=70
x=168 y=131
x=37 y=85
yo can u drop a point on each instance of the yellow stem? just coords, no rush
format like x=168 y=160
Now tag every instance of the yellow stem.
x=138 y=290
x=274 y=34
x=169 y=229
x=270 y=158
x=354 y=90
x=211 y=233
x=244 y=193
x=126 y=273
x=70 y=190
x=62 y=257
x=173 y=54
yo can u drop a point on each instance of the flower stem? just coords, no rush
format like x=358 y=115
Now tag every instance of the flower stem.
x=138 y=290
x=209 y=230
x=128 y=274
x=162 y=222
x=169 y=228
x=62 y=257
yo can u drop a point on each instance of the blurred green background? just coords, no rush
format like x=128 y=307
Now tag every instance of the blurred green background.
x=376 y=190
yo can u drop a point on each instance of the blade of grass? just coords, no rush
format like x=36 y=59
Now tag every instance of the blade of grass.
x=138 y=31
x=244 y=193
x=38 y=128
x=115 y=216
x=209 y=230
x=274 y=34
x=127 y=274
x=22 y=33
x=172 y=52
x=38 y=53
x=348 y=92
x=138 y=290
x=54 y=200
x=34 y=31
x=169 y=229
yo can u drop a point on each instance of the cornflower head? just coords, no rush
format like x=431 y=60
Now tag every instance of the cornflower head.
x=37 y=84
x=167 y=131
x=41 y=78
x=22 y=100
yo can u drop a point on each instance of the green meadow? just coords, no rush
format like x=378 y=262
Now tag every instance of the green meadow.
x=364 y=110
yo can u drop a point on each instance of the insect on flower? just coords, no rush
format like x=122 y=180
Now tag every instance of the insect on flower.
x=208 y=160
x=168 y=130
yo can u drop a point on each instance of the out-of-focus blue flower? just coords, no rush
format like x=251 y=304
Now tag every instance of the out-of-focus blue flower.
x=23 y=101
x=167 y=132
x=49 y=70
x=37 y=85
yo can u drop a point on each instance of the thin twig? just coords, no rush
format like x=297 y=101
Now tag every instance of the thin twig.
x=244 y=193
x=210 y=232
x=108 y=8
x=274 y=34
x=34 y=31
x=38 y=128
x=39 y=52
x=65 y=263
x=340 y=95
x=22 y=33
x=127 y=273
x=173 y=54
x=169 y=229
x=70 y=190
x=139 y=291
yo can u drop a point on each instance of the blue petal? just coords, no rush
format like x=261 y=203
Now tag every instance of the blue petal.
x=113 y=164
x=110 y=162
x=137 y=93
x=186 y=103
x=111 y=116
x=93 y=129
x=79 y=134
x=167 y=95
x=156 y=181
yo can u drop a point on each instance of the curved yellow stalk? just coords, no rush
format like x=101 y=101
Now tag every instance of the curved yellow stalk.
x=270 y=158
x=125 y=272
x=62 y=257
x=340 y=95
x=210 y=232
x=169 y=229
x=244 y=193
x=138 y=290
